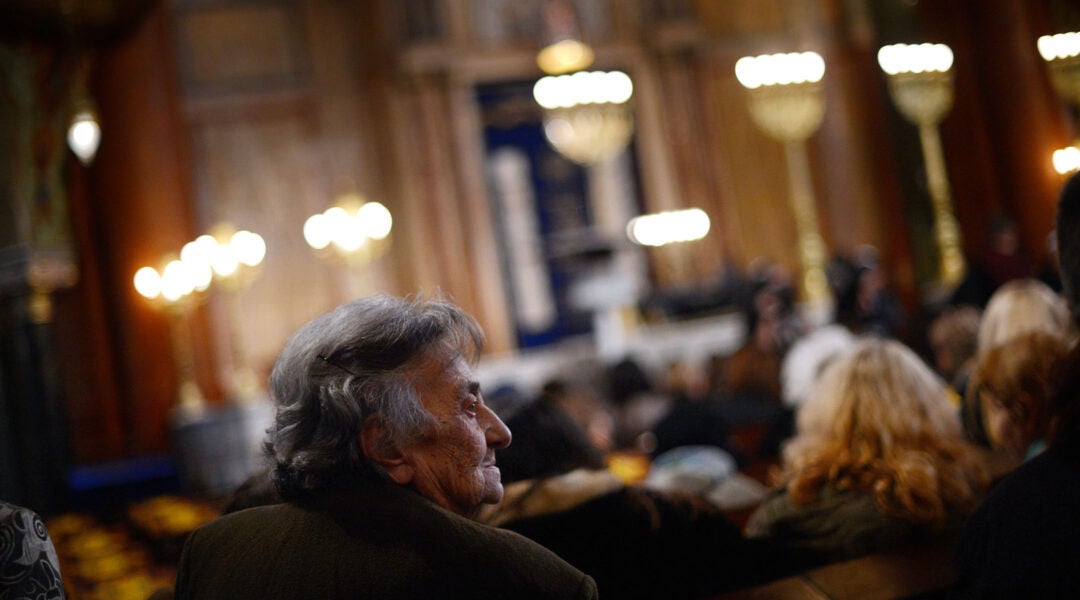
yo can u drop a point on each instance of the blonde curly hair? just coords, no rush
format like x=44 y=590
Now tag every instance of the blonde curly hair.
x=879 y=421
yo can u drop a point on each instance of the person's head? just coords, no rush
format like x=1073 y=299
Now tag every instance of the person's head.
x=1013 y=384
x=953 y=339
x=1021 y=306
x=382 y=388
x=627 y=379
x=808 y=358
x=879 y=421
x=1068 y=243
x=547 y=442
x=879 y=389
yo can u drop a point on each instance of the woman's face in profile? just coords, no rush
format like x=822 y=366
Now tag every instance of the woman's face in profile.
x=1004 y=425
x=454 y=465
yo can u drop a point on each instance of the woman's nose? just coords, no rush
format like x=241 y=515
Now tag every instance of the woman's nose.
x=497 y=433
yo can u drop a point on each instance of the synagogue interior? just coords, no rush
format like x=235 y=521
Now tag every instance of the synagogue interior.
x=696 y=186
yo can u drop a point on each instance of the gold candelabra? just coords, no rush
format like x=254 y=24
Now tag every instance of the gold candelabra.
x=1062 y=55
x=784 y=93
x=229 y=256
x=921 y=85
x=174 y=290
x=234 y=258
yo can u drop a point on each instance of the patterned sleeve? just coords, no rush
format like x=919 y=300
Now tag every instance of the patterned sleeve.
x=29 y=567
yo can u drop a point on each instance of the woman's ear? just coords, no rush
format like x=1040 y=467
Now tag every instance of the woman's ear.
x=384 y=453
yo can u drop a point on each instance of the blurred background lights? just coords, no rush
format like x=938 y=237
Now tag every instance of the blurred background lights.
x=348 y=226
x=375 y=220
x=779 y=69
x=1062 y=45
x=148 y=282
x=915 y=58
x=84 y=136
x=583 y=87
x=250 y=247
x=176 y=281
x=668 y=227
x=317 y=231
x=1067 y=160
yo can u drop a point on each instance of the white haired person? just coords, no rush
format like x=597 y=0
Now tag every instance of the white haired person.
x=383 y=450
x=877 y=463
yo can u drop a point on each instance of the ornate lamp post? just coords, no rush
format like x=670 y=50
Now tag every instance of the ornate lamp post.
x=234 y=258
x=172 y=290
x=786 y=102
x=921 y=85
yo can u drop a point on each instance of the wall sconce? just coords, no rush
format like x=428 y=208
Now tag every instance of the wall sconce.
x=785 y=98
x=354 y=230
x=921 y=85
x=173 y=290
x=587 y=116
x=234 y=258
x=1062 y=55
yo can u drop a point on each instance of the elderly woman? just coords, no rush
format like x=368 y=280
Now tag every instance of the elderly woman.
x=383 y=449
x=877 y=463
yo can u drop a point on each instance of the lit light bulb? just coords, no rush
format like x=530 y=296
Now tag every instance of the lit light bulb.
x=668 y=227
x=375 y=220
x=317 y=231
x=148 y=282
x=249 y=246
x=84 y=136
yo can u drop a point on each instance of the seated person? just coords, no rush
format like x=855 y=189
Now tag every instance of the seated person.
x=383 y=450
x=952 y=338
x=1022 y=542
x=1019 y=307
x=636 y=542
x=1013 y=383
x=29 y=567
x=878 y=461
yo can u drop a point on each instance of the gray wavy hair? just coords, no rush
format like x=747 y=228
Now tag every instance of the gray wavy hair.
x=345 y=367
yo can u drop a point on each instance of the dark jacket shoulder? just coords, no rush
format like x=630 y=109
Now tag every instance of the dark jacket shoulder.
x=384 y=541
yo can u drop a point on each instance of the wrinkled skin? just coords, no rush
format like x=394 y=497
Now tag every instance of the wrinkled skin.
x=454 y=465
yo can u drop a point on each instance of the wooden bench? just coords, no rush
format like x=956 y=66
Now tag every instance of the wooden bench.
x=923 y=572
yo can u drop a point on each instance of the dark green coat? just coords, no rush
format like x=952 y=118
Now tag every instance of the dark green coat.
x=383 y=541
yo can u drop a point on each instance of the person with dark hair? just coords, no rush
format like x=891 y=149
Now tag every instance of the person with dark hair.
x=384 y=450
x=636 y=403
x=1021 y=542
x=635 y=541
